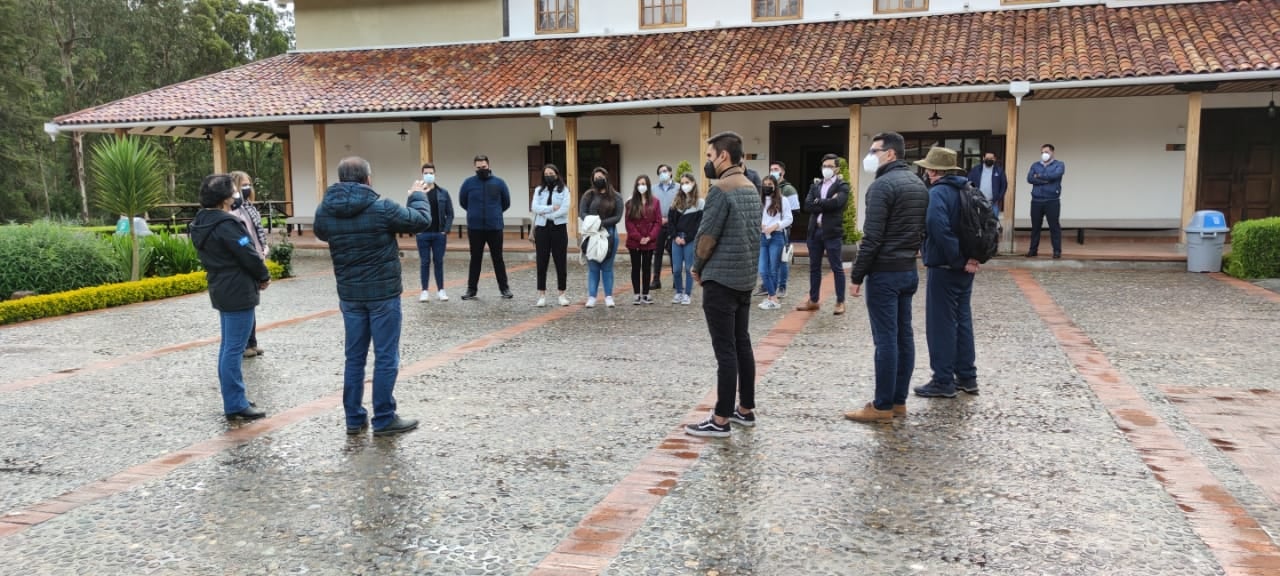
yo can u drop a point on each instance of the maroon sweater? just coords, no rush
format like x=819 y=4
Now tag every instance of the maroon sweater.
x=647 y=226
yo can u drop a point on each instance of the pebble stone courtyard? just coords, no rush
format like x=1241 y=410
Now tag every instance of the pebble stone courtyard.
x=1127 y=425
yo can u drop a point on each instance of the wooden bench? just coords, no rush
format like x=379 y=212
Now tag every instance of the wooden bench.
x=522 y=223
x=297 y=222
x=1117 y=224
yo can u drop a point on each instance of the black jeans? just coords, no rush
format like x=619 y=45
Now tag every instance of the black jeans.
x=641 y=261
x=551 y=241
x=1051 y=209
x=728 y=313
x=253 y=334
x=664 y=243
x=831 y=247
x=478 y=239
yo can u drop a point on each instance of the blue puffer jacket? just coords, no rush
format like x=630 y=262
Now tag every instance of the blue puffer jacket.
x=361 y=231
x=484 y=200
x=941 y=224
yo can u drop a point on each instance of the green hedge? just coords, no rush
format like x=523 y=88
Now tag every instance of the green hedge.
x=108 y=295
x=1255 y=249
x=44 y=258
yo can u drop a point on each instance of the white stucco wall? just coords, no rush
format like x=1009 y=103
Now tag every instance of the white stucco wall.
x=1117 y=165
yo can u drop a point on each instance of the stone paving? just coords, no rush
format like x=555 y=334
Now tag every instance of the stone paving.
x=533 y=418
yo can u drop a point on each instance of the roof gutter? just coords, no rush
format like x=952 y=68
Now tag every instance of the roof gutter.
x=534 y=111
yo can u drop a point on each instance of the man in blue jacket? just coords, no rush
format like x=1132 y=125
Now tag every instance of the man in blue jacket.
x=361 y=229
x=485 y=197
x=990 y=178
x=1045 y=178
x=948 y=314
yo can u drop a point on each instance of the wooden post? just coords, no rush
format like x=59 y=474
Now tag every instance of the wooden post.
x=425 y=151
x=1191 y=170
x=571 y=175
x=121 y=132
x=322 y=174
x=219 y=150
x=704 y=134
x=1011 y=171
x=287 y=152
x=855 y=139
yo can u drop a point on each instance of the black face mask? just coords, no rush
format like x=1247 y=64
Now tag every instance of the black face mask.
x=237 y=203
x=768 y=190
x=599 y=183
x=988 y=163
x=709 y=170
x=484 y=173
x=548 y=181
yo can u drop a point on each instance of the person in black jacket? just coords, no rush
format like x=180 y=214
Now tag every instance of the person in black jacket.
x=825 y=205
x=236 y=275
x=896 y=205
x=361 y=229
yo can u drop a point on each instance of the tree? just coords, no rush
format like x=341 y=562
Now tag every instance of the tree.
x=128 y=181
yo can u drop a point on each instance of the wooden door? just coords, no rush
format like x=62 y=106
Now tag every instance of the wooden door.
x=1239 y=164
x=537 y=159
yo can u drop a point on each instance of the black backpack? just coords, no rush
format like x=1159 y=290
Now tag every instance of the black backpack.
x=979 y=229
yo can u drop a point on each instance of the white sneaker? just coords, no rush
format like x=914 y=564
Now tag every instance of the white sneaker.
x=678 y=298
x=608 y=301
x=769 y=305
x=591 y=302
x=563 y=300
x=441 y=296
x=542 y=301
x=687 y=300
x=424 y=296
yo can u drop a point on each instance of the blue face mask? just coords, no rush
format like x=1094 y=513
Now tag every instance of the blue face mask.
x=776 y=175
x=429 y=178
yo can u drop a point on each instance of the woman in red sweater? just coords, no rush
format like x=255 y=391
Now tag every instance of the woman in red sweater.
x=644 y=222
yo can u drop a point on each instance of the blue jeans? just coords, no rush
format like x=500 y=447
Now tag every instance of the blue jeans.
x=682 y=267
x=236 y=327
x=379 y=321
x=597 y=271
x=431 y=252
x=771 y=261
x=888 y=296
x=949 y=325
x=831 y=246
x=784 y=268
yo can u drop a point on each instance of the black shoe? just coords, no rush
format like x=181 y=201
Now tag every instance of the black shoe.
x=967 y=386
x=708 y=428
x=470 y=295
x=397 y=426
x=655 y=285
x=936 y=390
x=1056 y=256
x=250 y=413
x=507 y=295
x=743 y=419
x=357 y=430
x=1031 y=255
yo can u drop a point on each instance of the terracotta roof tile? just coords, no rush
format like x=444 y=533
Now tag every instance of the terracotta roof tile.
x=1039 y=45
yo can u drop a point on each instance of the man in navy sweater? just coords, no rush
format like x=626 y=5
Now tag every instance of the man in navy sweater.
x=485 y=197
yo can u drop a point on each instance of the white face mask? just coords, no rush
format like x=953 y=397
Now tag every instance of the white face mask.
x=642 y=188
x=687 y=188
x=776 y=175
x=429 y=178
x=1045 y=157
x=871 y=163
x=664 y=176
x=236 y=195
x=827 y=173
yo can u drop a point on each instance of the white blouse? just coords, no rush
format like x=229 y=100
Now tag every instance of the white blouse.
x=783 y=219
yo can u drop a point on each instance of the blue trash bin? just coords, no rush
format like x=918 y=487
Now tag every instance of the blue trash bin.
x=1206 y=235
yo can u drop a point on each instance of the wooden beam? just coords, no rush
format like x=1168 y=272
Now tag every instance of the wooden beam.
x=220 y=150
x=704 y=134
x=425 y=141
x=322 y=174
x=571 y=175
x=1011 y=171
x=121 y=132
x=287 y=153
x=1191 y=167
x=854 y=153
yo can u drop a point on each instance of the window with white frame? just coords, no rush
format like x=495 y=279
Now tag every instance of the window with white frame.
x=661 y=13
x=892 y=6
x=556 y=16
x=776 y=9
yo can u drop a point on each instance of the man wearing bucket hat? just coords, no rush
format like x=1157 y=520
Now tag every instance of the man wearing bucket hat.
x=896 y=204
x=948 y=314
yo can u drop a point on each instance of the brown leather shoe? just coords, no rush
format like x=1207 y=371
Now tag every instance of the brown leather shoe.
x=869 y=413
x=839 y=309
x=899 y=410
x=807 y=306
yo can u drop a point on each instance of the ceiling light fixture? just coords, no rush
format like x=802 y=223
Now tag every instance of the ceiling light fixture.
x=935 y=118
x=658 y=128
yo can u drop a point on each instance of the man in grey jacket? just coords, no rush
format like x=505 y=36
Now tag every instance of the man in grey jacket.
x=726 y=251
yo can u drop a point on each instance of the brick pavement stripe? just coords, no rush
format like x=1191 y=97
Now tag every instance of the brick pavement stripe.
x=165 y=350
x=1239 y=423
x=1246 y=287
x=617 y=517
x=1234 y=537
x=18 y=520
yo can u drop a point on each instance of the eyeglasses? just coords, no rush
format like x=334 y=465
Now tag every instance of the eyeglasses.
x=876 y=150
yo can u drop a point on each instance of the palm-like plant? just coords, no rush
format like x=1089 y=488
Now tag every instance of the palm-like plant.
x=129 y=181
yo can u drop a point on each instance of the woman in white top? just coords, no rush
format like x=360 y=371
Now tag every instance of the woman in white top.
x=773 y=223
x=551 y=238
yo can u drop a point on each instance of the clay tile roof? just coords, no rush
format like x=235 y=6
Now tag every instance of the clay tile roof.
x=1039 y=45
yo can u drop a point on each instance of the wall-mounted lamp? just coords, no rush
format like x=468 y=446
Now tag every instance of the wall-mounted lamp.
x=402 y=133
x=935 y=119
